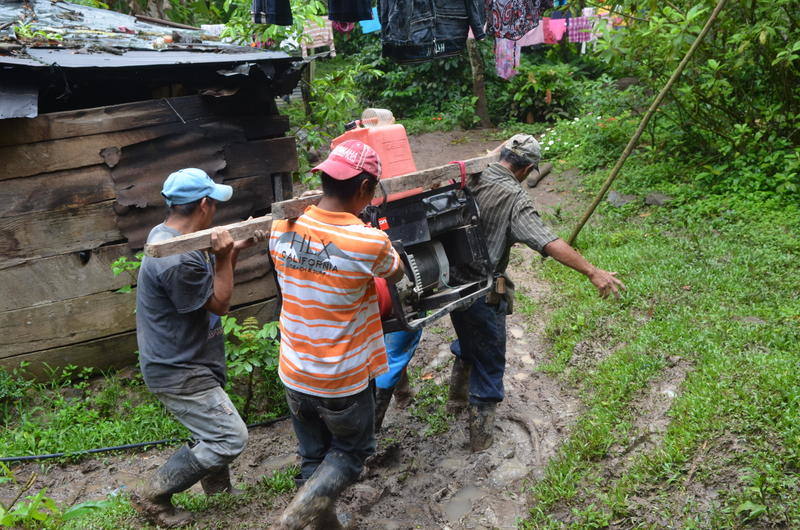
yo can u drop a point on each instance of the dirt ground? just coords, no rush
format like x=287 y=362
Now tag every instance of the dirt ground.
x=414 y=481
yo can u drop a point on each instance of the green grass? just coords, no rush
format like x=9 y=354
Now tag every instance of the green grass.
x=77 y=414
x=429 y=405
x=118 y=513
x=713 y=283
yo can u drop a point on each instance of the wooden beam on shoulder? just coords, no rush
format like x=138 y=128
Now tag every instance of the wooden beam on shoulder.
x=202 y=239
x=426 y=179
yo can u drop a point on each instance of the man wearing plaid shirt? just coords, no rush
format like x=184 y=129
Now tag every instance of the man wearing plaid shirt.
x=508 y=216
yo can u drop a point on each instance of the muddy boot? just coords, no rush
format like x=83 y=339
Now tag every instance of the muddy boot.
x=330 y=521
x=459 y=386
x=315 y=501
x=219 y=481
x=481 y=426
x=403 y=395
x=383 y=396
x=154 y=502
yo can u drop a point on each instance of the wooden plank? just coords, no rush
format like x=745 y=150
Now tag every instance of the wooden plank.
x=85 y=122
x=43 y=234
x=68 y=153
x=66 y=322
x=250 y=197
x=202 y=239
x=49 y=191
x=89 y=317
x=114 y=351
x=260 y=157
x=55 y=278
x=61 y=277
x=98 y=120
x=426 y=179
x=113 y=118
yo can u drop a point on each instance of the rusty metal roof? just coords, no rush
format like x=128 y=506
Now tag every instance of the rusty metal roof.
x=42 y=34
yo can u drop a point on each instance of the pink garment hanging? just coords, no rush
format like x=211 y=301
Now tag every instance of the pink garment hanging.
x=506 y=57
x=533 y=37
x=579 y=29
x=554 y=29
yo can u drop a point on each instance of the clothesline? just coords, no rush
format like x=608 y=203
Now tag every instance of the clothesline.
x=508 y=21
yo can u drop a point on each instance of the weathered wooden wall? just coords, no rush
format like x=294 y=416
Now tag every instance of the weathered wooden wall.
x=79 y=189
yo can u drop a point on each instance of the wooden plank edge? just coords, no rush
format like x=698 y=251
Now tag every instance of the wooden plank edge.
x=113 y=351
x=202 y=239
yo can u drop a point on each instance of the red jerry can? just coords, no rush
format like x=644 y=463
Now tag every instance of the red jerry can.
x=377 y=129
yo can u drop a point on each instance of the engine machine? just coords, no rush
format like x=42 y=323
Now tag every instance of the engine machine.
x=437 y=234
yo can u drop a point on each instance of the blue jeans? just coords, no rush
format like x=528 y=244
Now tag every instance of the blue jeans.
x=400 y=347
x=481 y=331
x=342 y=426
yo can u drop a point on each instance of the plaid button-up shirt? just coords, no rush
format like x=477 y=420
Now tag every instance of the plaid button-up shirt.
x=508 y=215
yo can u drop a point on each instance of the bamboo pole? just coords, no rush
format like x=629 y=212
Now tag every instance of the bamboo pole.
x=649 y=114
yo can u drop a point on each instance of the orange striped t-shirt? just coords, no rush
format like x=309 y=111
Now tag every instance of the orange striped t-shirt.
x=331 y=335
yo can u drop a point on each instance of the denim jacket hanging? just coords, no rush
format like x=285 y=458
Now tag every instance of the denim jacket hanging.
x=421 y=30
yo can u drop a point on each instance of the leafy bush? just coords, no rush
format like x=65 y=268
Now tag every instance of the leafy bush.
x=543 y=92
x=252 y=350
x=12 y=389
x=736 y=107
x=241 y=28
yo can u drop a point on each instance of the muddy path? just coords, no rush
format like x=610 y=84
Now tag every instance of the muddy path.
x=415 y=480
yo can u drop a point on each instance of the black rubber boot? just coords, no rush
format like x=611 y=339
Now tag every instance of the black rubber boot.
x=383 y=396
x=459 y=386
x=154 y=502
x=219 y=481
x=481 y=426
x=403 y=395
x=316 y=500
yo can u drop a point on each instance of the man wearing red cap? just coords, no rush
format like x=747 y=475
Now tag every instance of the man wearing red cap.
x=331 y=336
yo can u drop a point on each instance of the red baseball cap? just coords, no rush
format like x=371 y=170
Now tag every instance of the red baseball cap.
x=350 y=158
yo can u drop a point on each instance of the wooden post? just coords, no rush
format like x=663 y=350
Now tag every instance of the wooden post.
x=649 y=114
x=478 y=83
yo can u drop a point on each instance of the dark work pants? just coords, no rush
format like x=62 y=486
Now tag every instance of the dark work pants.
x=345 y=426
x=481 y=331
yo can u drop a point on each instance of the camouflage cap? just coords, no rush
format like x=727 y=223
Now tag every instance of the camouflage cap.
x=525 y=146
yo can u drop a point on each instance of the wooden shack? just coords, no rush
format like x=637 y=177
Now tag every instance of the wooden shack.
x=80 y=182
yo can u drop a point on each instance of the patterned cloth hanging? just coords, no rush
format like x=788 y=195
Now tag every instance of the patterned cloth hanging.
x=512 y=19
x=579 y=29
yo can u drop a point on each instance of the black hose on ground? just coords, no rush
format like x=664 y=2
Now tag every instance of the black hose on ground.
x=120 y=447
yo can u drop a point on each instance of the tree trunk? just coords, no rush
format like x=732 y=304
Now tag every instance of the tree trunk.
x=478 y=83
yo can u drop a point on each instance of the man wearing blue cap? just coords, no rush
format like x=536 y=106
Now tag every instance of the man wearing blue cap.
x=181 y=345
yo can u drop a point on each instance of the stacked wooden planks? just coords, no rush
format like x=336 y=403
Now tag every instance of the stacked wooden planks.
x=82 y=188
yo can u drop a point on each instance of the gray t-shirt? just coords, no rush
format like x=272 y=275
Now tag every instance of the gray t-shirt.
x=181 y=344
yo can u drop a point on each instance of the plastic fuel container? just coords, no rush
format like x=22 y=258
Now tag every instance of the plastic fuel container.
x=377 y=129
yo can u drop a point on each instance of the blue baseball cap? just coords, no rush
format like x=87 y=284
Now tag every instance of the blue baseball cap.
x=192 y=184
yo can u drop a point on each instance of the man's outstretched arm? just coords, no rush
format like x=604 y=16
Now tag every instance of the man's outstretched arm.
x=606 y=282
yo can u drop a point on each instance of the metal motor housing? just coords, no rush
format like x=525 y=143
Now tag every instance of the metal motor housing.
x=436 y=232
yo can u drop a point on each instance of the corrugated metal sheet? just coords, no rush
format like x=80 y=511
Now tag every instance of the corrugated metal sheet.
x=99 y=38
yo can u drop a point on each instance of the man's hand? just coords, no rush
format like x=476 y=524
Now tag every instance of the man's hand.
x=606 y=282
x=221 y=243
x=258 y=236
